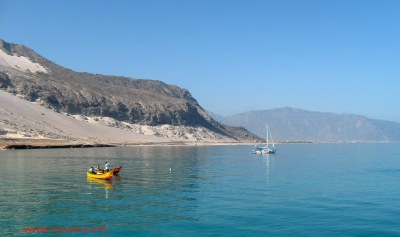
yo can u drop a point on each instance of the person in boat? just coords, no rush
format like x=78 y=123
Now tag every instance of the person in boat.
x=98 y=170
x=91 y=170
x=106 y=166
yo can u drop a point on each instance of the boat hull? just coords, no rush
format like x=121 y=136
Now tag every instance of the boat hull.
x=269 y=151
x=263 y=150
x=117 y=170
x=107 y=175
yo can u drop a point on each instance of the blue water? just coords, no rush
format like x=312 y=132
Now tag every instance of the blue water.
x=302 y=190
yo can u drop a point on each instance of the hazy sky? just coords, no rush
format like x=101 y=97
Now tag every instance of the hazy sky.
x=340 y=56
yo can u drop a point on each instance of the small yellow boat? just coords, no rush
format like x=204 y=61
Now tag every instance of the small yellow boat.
x=106 y=175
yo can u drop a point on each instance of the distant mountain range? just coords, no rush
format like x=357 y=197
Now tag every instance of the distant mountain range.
x=302 y=125
x=145 y=102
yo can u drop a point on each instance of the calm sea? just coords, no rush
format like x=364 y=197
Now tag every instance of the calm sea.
x=302 y=190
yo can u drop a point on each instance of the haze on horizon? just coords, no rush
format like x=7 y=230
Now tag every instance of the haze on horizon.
x=233 y=56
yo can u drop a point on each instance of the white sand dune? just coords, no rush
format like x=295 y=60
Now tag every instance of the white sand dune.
x=20 y=63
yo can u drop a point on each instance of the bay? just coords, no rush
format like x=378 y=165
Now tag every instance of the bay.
x=302 y=190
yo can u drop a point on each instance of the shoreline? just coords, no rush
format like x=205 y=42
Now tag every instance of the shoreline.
x=21 y=144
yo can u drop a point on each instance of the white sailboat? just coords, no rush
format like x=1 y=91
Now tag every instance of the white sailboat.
x=267 y=149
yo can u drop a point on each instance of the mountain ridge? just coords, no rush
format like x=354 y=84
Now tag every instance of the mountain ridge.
x=295 y=124
x=136 y=101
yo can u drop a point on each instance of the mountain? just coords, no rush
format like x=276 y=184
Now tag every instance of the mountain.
x=25 y=73
x=302 y=125
x=217 y=117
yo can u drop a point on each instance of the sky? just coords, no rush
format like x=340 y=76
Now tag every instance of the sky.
x=339 y=56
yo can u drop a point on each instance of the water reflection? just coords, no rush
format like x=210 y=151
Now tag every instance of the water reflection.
x=99 y=183
x=267 y=165
x=266 y=160
x=96 y=183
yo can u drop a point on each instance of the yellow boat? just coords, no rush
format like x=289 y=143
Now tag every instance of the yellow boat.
x=106 y=175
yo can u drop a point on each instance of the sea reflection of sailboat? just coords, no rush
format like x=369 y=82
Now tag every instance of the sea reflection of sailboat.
x=268 y=191
x=266 y=162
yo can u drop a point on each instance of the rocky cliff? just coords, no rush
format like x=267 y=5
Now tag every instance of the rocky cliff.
x=135 y=101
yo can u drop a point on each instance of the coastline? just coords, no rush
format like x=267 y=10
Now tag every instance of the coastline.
x=18 y=143
x=23 y=143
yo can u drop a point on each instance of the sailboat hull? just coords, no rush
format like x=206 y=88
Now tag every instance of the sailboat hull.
x=268 y=151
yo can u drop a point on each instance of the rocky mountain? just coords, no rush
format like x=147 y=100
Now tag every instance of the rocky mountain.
x=135 y=101
x=302 y=125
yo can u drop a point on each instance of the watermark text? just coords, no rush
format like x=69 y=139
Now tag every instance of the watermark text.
x=64 y=229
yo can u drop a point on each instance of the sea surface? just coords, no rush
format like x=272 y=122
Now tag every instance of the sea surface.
x=302 y=190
